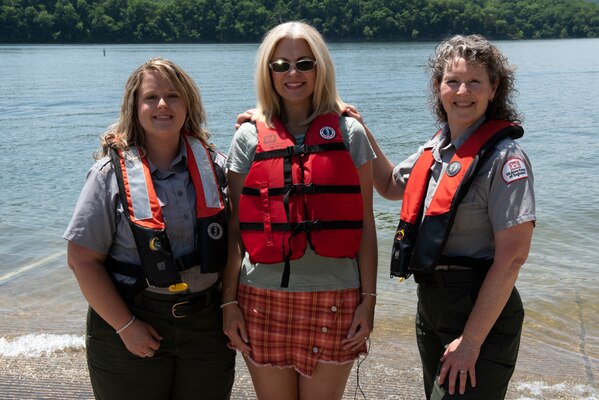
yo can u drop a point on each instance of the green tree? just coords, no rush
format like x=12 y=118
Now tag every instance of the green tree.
x=12 y=25
x=43 y=25
x=67 y=24
x=103 y=27
x=143 y=21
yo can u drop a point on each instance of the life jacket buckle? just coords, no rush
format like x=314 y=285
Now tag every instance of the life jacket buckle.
x=295 y=150
x=310 y=226
x=177 y=287
x=305 y=188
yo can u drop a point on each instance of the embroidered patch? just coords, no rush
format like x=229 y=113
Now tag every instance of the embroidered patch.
x=327 y=133
x=215 y=230
x=453 y=168
x=155 y=244
x=514 y=169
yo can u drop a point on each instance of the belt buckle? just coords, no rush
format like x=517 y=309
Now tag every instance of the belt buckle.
x=174 y=309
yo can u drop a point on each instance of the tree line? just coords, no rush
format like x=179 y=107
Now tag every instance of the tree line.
x=226 y=21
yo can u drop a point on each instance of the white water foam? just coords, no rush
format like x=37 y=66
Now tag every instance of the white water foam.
x=35 y=345
x=541 y=390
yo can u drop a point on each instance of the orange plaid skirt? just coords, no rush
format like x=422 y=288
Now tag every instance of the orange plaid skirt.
x=298 y=329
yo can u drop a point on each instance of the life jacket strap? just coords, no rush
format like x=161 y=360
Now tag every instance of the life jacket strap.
x=299 y=149
x=286 y=273
x=136 y=272
x=303 y=189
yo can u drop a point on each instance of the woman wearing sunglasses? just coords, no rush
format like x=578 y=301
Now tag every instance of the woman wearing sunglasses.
x=299 y=288
x=466 y=223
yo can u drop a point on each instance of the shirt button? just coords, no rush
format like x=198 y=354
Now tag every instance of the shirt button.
x=180 y=193
x=324 y=329
x=314 y=349
x=185 y=217
x=334 y=308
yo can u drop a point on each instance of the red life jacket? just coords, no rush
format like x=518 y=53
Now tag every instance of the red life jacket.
x=143 y=210
x=419 y=242
x=299 y=193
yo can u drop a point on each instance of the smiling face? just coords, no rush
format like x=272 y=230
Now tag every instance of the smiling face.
x=465 y=91
x=160 y=107
x=295 y=87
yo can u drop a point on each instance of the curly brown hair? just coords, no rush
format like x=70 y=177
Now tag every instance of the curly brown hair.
x=475 y=49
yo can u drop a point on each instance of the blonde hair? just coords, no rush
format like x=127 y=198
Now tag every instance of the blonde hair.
x=325 y=98
x=478 y=50
x=127 y=131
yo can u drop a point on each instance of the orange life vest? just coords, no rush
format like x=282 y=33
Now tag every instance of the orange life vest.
x=143 y=210
x=419 y=242
x=299 y=193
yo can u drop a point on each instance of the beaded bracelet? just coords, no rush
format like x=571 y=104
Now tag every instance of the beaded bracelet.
x=228 y=303
x=127 y=325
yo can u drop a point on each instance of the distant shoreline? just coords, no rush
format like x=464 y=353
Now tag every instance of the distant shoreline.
x=230 y=21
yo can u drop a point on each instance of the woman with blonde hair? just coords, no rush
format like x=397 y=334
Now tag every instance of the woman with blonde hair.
x=299 y=288
x=147 y=243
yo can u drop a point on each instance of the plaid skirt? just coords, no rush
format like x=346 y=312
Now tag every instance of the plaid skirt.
x=298 y=329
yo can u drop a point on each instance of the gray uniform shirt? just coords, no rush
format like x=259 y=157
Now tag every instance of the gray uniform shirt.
x=501 y=195
x=311 y=272
x=100 y=224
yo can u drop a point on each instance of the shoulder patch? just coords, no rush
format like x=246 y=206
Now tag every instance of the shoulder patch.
x=514 y=169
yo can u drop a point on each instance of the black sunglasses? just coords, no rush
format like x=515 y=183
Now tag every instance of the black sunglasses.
x=281 y=65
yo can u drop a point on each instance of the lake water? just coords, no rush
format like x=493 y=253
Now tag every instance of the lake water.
x=57 y=101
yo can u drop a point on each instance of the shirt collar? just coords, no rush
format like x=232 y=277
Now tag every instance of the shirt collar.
x=467 y=133
x=442 y=144
x=178 y=164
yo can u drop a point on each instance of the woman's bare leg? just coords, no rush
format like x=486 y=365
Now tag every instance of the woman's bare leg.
x=274 y=383
x=327 y=382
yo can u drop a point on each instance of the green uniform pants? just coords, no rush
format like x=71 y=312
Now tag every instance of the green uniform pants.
x=193 y=361
x=445 y=300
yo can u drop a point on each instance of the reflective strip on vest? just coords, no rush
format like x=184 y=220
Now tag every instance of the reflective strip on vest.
x=143 y=203
x=208 y=197
x=140 y=190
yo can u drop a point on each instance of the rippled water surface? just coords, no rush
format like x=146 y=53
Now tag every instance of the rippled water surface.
x=57 y=100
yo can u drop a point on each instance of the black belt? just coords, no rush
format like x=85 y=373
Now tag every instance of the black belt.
x=178 y=306
x=452 y=278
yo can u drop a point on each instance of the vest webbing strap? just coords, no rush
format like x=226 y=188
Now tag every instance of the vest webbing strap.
x=297 y=227
x=305 y=226
x=299 y=149
x=136 y=271
x=303 y=189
